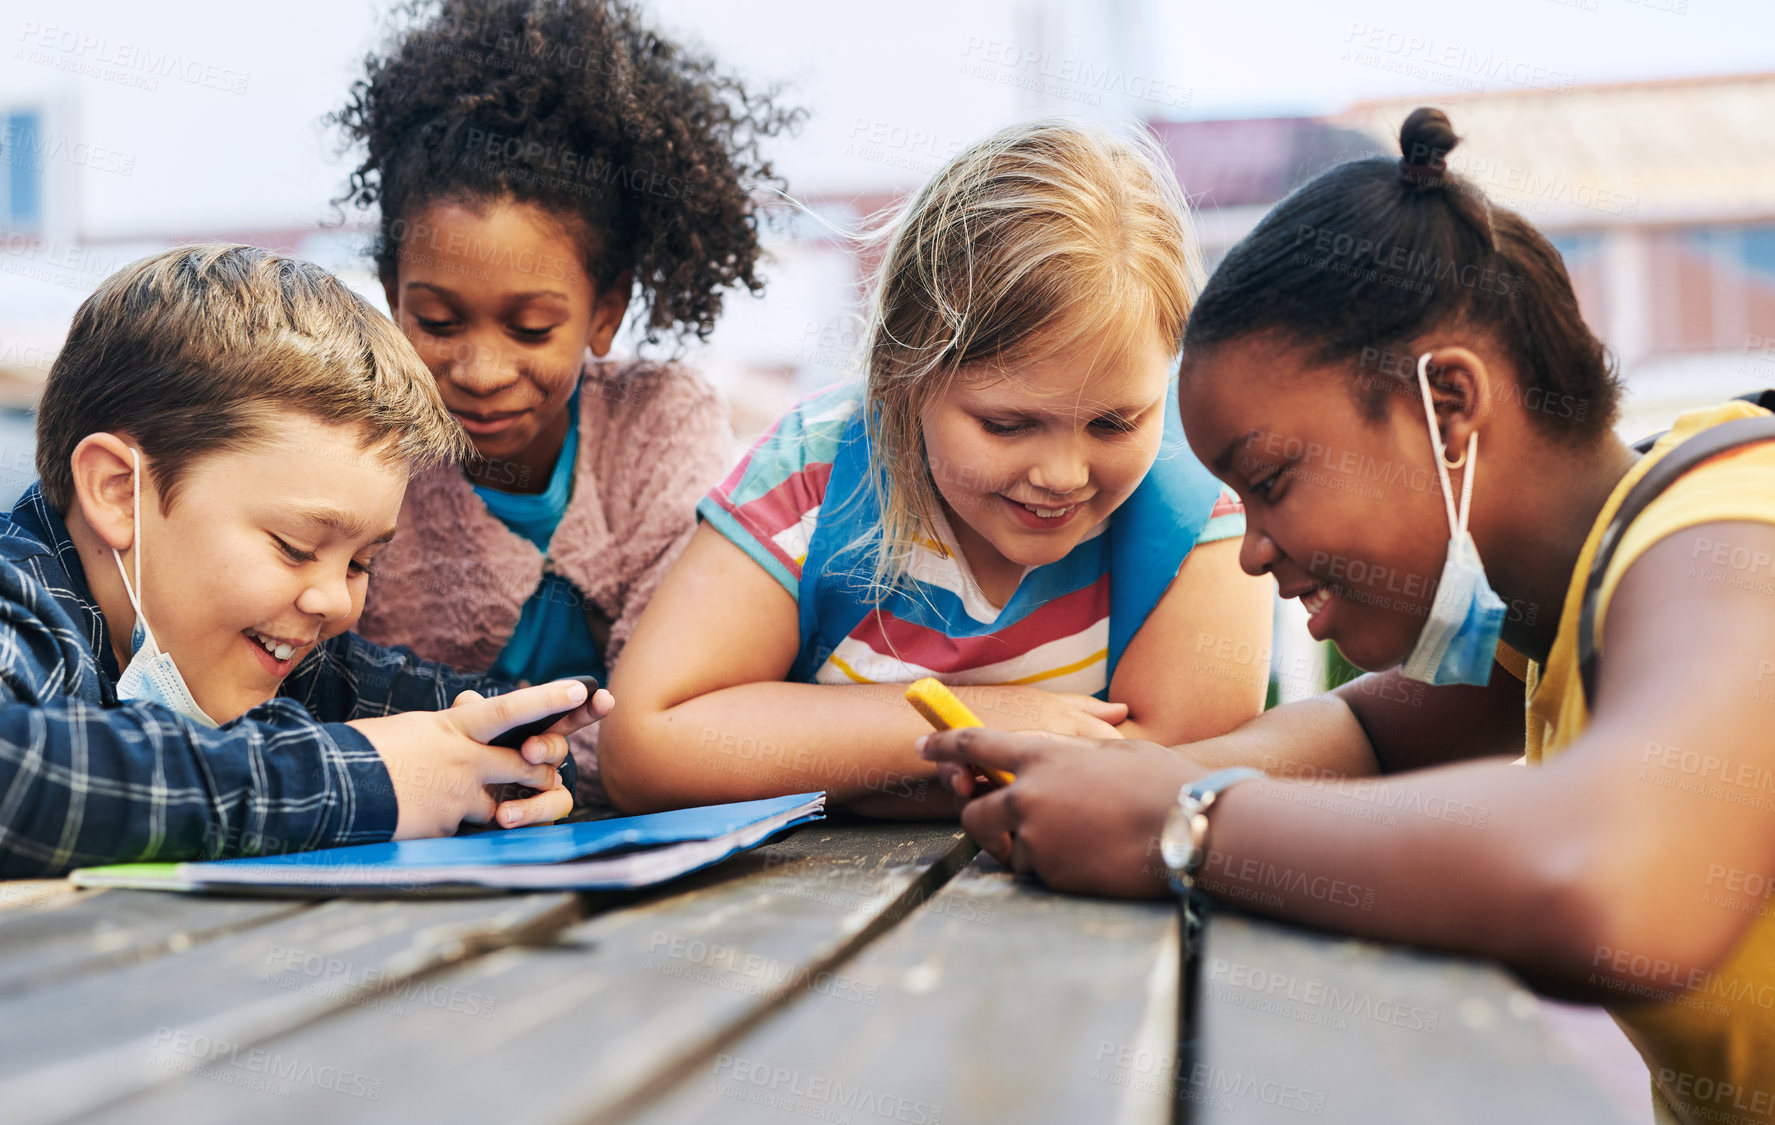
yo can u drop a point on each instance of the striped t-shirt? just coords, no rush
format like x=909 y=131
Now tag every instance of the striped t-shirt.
x=1052 y=632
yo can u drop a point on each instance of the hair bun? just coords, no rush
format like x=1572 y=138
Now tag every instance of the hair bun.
x=1425 y=140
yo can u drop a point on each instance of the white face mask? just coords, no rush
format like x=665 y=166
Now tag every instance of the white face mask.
x=1459 y=640
x=151 y=676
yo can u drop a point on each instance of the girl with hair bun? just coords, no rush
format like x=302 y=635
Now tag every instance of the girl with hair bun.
x=543 y=169
x=1394 y=377
x=1005 y=503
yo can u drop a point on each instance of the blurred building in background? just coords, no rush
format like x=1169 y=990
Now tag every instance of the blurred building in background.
x=1661 y=198
x=1660 y=195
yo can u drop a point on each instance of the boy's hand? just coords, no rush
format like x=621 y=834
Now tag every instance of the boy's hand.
x=1084 y=815
x=548 y=748
x=441 y=765
x=551 y=745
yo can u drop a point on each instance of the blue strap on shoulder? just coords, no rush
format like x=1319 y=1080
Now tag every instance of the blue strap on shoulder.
x=835 y=596
x=1149 y=537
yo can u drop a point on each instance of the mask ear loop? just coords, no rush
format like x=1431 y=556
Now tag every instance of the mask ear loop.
x=1456 y=524
x=136 y=508
x=1471 y=459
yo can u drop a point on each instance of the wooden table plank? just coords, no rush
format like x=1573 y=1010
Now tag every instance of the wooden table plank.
x=997 y=1001
x=1290 y=1025
x=49 y=929
x=32 y=894
x=92 y=1040
x=91 y=931
x=618 y=1006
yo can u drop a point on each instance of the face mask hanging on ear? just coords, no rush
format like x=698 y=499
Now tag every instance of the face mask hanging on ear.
x=1459 y=640
x=151 y=677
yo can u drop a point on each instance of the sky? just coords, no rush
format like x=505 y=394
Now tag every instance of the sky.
x=891 y=89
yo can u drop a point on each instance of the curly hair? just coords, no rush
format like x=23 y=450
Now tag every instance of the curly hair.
x=574 y=106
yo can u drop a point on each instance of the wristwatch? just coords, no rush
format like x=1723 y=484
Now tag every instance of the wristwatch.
x=1184 y=840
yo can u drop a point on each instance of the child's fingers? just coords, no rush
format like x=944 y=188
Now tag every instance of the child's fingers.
x=1090 y=727
x=499 y=766
x=990 y=822
x=1110 y=713
x=982 y=746
x=545 y=749
x=964 y=781
x=599 y=705
x=463 y=698
x=545 y=807
x=1050 y=735
x=485 y=807
x=486 y=719
x=957 y=779
x=1021 y=861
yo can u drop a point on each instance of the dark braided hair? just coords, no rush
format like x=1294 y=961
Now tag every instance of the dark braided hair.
x=1366 y=257
x=575 y=106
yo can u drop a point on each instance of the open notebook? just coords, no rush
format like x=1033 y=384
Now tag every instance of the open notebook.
x=597 y=855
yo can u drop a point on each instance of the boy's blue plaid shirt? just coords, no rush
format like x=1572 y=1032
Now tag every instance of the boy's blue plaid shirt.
x=85 y=780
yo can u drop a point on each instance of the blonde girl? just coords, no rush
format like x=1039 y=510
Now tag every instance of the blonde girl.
x=1006 y=503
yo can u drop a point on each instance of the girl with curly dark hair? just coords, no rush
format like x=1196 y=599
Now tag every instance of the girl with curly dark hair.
x=544 y=169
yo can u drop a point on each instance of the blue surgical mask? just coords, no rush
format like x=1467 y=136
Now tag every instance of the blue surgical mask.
x=1459 y=640
x=151 y=676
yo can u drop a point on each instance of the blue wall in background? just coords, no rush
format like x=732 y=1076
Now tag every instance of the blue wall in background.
x=17 y=447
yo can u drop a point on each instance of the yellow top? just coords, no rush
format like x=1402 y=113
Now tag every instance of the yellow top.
x=1712 y=1053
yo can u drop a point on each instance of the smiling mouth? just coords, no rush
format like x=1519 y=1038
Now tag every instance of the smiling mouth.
x=1316 y=599
x=488 y=424
x=1046 y=511
x=279 y=648
x=487 y=417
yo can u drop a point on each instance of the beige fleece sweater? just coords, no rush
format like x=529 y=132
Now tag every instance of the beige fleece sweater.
x=653 y=438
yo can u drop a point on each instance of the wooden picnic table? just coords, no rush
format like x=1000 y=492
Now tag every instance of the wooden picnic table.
x=851 y=972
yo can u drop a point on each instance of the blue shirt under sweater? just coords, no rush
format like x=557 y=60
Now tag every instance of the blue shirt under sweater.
x=553 y=639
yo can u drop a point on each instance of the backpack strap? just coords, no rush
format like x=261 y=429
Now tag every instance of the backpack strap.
x=1764 y=398
x=1707 y=444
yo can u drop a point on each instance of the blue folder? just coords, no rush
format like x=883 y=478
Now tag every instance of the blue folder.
x=652 y=848
x=543 y=843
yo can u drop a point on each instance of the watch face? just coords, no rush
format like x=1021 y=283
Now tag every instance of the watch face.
x=1174 y=839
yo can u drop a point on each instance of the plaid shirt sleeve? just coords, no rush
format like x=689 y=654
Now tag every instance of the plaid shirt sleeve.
x=82 y=782
x=349 y=678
